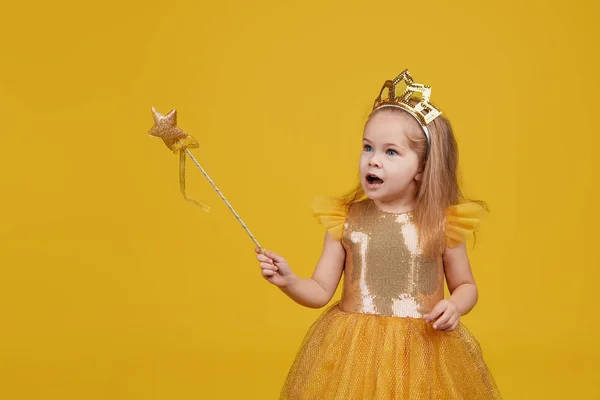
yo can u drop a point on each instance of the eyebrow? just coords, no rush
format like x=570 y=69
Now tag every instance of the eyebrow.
x=385 y=144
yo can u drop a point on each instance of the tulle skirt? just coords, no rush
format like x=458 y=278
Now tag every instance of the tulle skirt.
x=365 y=356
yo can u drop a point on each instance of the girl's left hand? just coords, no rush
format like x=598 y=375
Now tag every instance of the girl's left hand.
x=449 y=318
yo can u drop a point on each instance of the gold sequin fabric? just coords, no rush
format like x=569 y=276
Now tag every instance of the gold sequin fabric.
x=385 y=273
x=373 y=343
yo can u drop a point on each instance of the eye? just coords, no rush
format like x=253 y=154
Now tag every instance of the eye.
x=367 y=147
x=391 y=152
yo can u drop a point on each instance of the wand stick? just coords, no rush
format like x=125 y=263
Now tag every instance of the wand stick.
x=191 y=156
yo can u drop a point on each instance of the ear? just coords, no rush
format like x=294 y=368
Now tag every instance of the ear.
x=419 y=176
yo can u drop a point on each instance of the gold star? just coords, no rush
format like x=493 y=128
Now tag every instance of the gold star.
x=165 y=127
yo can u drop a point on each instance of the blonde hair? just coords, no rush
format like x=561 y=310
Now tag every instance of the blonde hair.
x=439 y=186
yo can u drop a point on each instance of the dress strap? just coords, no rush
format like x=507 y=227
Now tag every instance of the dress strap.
x=331 y=212
x=461 y=221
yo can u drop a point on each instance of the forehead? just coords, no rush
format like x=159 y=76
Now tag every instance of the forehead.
x=390 y=126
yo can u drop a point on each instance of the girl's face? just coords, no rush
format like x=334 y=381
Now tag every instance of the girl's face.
x=389 y=168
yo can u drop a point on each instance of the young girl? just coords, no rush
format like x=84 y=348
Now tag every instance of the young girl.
x=392 y=335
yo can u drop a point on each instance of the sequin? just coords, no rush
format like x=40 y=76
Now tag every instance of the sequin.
x=385 y=271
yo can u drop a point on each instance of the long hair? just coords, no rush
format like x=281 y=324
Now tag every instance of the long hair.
x=439 y=187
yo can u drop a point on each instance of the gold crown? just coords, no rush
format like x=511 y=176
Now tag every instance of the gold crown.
x=423 y=111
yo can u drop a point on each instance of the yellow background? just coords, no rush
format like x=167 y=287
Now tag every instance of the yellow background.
x=113 y=287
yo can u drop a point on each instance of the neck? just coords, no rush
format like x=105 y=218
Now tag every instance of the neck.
x=398 y=205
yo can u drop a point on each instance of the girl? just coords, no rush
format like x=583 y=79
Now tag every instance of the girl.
x=392 y=335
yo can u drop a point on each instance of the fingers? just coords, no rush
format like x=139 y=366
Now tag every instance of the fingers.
x=450 y=325
x=275 y=257
x=448 y=320
x=268 y=273
x=446 y=315
x=268 y=266
x=266 y=255
x=267 y=261
x=436 y=312
x=263 y=258
x=442 y=322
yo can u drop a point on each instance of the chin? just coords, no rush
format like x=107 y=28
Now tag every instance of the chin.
x=376 y=194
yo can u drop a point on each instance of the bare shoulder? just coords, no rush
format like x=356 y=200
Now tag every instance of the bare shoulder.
x=451 y=253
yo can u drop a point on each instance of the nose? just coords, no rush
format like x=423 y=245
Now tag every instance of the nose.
x=374 y=161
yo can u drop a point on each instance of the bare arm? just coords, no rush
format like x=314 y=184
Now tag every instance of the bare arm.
x=461 y=283
x=314 y=292
x=446 y=314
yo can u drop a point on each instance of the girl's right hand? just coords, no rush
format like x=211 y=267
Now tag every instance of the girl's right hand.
x=274 y=268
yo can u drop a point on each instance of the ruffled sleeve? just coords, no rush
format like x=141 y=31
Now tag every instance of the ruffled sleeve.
x=461 y=221
x=331 y=212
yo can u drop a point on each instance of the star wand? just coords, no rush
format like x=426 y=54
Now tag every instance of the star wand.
x=165 y=127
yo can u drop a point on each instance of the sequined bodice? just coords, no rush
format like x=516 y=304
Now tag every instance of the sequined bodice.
x=384 y=271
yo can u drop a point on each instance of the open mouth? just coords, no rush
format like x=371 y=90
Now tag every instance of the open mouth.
x=374 y=180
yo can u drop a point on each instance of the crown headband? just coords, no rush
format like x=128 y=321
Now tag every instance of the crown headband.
x=424 y=112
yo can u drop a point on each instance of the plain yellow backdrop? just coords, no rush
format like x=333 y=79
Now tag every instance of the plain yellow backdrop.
x=113 y=287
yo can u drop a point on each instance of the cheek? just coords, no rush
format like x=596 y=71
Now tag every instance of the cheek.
x=413 y=164
x=404 y=171
x=362 y=162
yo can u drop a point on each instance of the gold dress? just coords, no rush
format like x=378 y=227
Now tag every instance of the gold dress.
x=373 y=343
